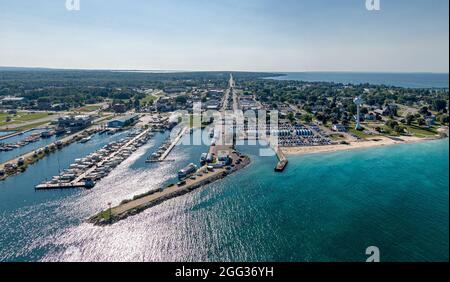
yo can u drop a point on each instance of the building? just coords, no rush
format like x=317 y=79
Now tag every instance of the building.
x=123 y=121
x=119 y=108
x=12 y=101
x=74 y=123
x=212 y=104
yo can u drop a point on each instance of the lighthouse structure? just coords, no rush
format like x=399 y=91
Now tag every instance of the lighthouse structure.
x=358 y=101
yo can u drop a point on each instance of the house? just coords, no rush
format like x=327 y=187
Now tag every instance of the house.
x=123 y=121
x=44 y=104
x=370 y=116
x=378 y=112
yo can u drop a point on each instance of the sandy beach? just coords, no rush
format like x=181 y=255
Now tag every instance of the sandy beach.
x=353 y=145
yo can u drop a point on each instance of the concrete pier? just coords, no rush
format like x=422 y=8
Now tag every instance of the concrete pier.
x=140 y=203
x=282 y=161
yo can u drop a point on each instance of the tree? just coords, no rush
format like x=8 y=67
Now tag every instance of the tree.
x=421 y=121
x=439 y=105
x=398 y=129
x=409 y=119
x=291 y=117
x=391 y=123
x=423 y=111
x=136 y=103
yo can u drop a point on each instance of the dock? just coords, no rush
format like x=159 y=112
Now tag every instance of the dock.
x=169 y=149
x=60 y=186
x=174 y=143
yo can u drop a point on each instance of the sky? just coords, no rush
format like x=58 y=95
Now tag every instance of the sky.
x=238 y=35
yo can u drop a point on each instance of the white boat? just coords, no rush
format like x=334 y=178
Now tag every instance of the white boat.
x=86 y=139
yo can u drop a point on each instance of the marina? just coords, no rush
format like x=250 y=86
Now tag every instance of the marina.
x=84 y=173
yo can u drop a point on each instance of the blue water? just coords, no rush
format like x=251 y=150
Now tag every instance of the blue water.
x=324 y=207
x=410 y=80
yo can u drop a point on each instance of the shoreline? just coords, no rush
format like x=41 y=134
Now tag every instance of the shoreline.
x=374 y=142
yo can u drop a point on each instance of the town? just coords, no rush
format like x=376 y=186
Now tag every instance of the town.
x=309 y=114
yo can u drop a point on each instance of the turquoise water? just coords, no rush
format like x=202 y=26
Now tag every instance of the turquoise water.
x=324 y=207
x=410 y=80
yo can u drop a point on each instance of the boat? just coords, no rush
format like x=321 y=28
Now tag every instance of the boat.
x=185 y=172
x=60 y=131
x=46 y=134
x=86 y=139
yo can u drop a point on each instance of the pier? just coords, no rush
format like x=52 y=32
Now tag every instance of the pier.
x=174 y=143
x=282 y=160
x=140 y=203
x=167 y=149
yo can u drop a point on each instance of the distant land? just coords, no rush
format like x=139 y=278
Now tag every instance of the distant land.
x=396 y=79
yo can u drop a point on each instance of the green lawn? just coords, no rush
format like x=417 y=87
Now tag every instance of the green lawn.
x=88 y=108
x=421 y=131
x=358 y=133
x=20 y=117
x=337 y=137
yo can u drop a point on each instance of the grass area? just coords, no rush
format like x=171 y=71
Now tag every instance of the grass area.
x=88 y=108
x=147 y=100
x=358 y=133
x=337 y=137
x=33 y=125
x=20 y=117
x=421 y=131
